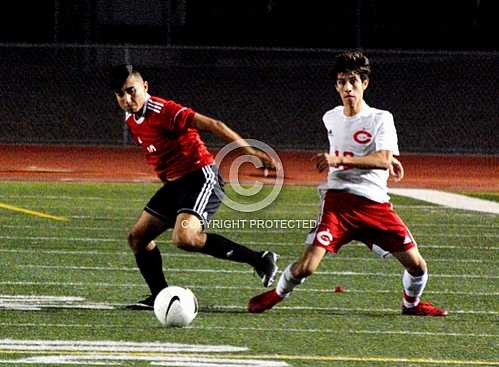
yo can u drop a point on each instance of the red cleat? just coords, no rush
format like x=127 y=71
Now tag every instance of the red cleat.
x=264 y=301
x=424 y=309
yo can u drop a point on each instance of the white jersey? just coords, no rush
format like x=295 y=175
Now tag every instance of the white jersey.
x=365 y=133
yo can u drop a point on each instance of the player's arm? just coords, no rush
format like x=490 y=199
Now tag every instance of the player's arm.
x=381 y=159
x=218 y=128
x=396 y=169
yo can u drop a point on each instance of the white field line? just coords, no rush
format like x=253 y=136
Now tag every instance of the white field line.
x=68 y=198
x=450 y=213
x=226 y=271
x=283 y=330
x=98 y=353
x=451 y=200
x=254 y=231
x=112 y=346
x=357 y=332
x=265 y=243
x=233 y=288
x=458 y=226
x=439 y=199
x=348 y=309
x=194 y=256
x=111 y=306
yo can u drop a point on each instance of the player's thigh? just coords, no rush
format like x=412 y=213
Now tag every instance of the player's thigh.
x=380 y=225
x=332 y=230
x=147 y=228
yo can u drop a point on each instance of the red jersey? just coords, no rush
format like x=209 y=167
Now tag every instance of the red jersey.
x=172 y=148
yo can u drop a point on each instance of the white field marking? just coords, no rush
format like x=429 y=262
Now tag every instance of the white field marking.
x=356 y=332
x=281 y=244
x=38 y=302
x=142 y=201
x=173 y=360
x=195 y=256
x=422 y=216
x=251 y=362
x=226 y=271
x=125 y=229
x=450 y=200
x=291 y=244
x=113 y=346
x=72 y=239
x=70 y=198
x=96 y=239
x=346 y=309
x=235 y=288
x=111 y=353
x=41 y=347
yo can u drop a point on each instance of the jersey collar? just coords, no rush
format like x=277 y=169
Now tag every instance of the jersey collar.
x=140 y=119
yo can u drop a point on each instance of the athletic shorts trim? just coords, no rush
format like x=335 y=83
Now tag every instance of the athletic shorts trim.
x=199 y=192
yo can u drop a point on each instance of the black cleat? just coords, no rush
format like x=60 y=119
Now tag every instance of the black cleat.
x=267 y=268
x=146 y=304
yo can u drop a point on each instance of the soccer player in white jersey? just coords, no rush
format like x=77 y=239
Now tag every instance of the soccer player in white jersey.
x=354 y=200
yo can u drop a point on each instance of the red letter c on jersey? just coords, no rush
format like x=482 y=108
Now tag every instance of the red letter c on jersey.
x=362 y=137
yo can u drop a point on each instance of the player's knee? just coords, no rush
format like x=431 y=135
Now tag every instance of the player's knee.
x=186 y=239
x=303 y=270
x=418 y=268
x=136 y=242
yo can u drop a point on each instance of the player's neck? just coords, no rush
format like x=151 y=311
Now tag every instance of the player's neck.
x=350 y=110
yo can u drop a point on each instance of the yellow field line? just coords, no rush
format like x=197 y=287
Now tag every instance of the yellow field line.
x=266 y=356
x=31 y=212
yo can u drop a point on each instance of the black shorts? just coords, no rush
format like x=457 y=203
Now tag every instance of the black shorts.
x=199 y=193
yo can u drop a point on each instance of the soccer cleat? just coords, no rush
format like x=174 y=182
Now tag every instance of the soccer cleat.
x=267 y=268
x=424 y=309
x=146 y=304
x=264 y=301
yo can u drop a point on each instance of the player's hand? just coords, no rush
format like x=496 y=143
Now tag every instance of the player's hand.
x=396 y=169
x=323 y=161
x=267 y=162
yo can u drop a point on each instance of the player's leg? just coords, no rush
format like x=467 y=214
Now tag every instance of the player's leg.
x=198 y=205
x=393 y=235
x=291 y=277
x=147 y=256
x=414 y=282
x=328 y=235
x=188 y=234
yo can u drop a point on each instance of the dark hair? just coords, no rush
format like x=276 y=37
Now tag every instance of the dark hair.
x=119 y=75
x=352 y=62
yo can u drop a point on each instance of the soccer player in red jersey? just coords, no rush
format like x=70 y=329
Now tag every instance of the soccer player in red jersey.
x=354 y=200
x=192 y=190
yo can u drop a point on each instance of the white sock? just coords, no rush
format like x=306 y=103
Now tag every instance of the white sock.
x=413 y=288
x=287 y=282
x=378 y=251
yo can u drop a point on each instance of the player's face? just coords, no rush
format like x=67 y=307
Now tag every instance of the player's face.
x=132 y=95
x=351 y=88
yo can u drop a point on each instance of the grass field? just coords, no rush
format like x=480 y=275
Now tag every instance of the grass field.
x=64 y=283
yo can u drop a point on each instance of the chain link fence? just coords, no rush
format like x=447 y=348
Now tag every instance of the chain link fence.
x=442 y=102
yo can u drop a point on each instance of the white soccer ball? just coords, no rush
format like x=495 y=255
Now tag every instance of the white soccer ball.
x=175 y=306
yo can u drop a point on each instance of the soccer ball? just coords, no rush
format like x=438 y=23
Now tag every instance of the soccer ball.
x=175 y=306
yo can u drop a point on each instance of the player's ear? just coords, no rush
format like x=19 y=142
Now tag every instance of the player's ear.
x=365 y=83
x=146 y=85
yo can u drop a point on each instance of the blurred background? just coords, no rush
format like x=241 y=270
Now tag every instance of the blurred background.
x=262 y=66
